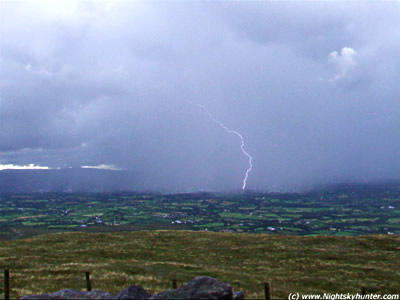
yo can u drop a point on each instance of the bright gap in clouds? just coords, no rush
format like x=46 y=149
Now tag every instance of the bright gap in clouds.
x=22 y=167
x=102 y=167
x=35 y=167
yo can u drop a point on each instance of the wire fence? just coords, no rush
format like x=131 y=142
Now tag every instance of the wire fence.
x=174 y=285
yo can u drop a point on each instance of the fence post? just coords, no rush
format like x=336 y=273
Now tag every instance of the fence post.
x=174 y=284
x=363 y=291
x=267 y=291
x=6 y=284
x=88 y=283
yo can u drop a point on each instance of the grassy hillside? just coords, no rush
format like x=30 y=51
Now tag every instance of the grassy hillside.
x=153 y=258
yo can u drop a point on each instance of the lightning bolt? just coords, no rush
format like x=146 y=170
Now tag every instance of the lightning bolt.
x=242 y=145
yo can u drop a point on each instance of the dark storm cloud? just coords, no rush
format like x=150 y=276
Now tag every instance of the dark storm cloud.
x=312 y=87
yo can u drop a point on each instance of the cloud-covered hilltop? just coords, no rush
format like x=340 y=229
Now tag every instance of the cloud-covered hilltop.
x=311 y=86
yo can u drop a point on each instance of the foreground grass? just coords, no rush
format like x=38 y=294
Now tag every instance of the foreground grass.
x=152 y=258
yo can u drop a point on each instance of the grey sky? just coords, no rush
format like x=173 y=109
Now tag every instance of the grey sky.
x=312 y=86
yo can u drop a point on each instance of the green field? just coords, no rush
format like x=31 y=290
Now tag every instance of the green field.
x=152 y=258
x=341 y=212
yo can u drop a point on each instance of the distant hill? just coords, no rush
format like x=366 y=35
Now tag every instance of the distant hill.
x=65 y=180
x=392 y=185
x=101 y=180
